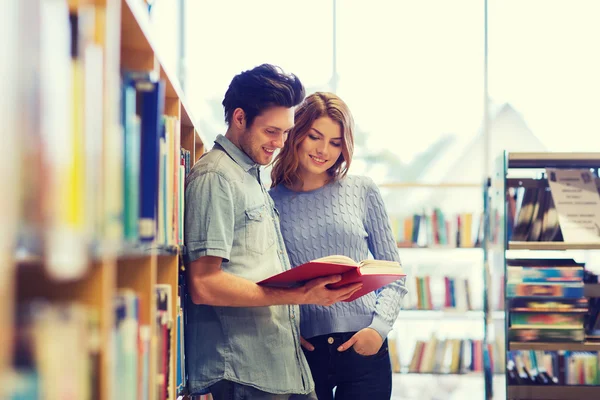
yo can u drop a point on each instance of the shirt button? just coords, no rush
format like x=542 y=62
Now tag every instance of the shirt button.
x=330 y=340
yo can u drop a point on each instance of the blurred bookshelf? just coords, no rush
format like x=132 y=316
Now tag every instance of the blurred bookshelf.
x=440 y=330
x=550 y=284
x=95 y=256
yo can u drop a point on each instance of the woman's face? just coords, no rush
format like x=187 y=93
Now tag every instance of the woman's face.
x=321 y=148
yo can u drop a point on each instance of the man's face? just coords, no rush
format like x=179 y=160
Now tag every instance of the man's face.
x=267 y=134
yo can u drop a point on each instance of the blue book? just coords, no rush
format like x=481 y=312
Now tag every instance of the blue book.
x=151 y=102
x=544 y=274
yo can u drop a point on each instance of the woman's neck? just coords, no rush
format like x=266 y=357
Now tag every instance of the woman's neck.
x=311 y=182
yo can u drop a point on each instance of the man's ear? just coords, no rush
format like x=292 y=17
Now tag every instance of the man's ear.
x=239 y=118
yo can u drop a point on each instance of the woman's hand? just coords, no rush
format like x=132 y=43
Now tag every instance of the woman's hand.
x=366 y=342
x=306 y=344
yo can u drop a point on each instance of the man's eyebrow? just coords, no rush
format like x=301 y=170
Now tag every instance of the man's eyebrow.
x=278 y=129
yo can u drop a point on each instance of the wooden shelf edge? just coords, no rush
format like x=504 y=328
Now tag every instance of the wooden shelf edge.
x=200 y=145
x=552 y=246
x=552 y=392
x=555 y=346
x=441 y=248
x=173 y=89
x=591 y=290
x=551 y=159
x=441 y=185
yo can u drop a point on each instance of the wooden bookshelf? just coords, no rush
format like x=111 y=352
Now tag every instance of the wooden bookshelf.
x=526 y=170
x=123 y=32
x=552 y=392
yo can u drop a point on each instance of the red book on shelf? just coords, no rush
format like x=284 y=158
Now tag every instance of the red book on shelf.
x=373 y=274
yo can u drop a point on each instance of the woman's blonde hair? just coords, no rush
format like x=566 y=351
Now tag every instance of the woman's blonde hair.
x=315 y=106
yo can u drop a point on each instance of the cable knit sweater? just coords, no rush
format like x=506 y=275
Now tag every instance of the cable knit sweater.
x=346 y=217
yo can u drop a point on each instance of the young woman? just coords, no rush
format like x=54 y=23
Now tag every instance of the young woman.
x=325 y=212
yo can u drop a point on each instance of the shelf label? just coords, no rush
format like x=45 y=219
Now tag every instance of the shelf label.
x=577 y=203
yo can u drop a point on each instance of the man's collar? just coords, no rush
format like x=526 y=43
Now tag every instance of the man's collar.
x=236 y=153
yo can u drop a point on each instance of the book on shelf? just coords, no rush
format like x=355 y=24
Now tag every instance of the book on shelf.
x=165 y=325
x=451 y=356
x=456 y=294
x=436 y=228
x=373 y=274
x=153 y=200
x=46 y=332
x=592 y=320
x=536 y=367
x=129 y=360
x=546 y=300
x=60 y=104
x=533 y=215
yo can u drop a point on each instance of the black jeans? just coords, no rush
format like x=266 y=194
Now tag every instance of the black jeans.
x=227 y=390
x=354 y=376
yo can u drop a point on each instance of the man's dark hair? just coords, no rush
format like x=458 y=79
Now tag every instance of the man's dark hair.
x=261 y=88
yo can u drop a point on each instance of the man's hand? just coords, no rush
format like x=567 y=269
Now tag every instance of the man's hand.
x=306 y=344
x=366 y=342
x=316 y=291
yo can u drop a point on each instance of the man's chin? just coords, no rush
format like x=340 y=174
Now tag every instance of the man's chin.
x=262 y=161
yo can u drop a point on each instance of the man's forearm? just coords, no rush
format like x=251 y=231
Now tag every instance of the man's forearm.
x=223 y=289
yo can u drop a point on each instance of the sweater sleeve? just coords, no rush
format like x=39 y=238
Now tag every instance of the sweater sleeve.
x=382 y=246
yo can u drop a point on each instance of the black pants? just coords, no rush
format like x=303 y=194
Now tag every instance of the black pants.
x=354 y=376
x=227 y=390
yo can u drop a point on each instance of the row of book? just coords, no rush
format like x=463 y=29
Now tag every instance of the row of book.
x=546 y=300
x=532 y=367
x=97 y=174
x=449 y=356
x=154 y=165
x=69 y=331
x=435 y=228
x=456 y=294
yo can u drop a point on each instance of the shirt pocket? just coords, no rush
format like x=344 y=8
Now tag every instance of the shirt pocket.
x=259 y=230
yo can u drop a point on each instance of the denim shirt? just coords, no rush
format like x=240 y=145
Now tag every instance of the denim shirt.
x=229 y=214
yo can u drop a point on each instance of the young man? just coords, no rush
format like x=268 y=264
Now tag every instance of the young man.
x=243 y=340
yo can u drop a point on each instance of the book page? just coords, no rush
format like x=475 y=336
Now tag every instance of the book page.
x=379 y=263
x=337 y=259
x=578 y=204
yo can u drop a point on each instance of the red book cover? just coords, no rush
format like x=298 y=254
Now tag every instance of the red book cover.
x=373 y=274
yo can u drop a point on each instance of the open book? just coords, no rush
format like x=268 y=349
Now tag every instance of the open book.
x=373 y=274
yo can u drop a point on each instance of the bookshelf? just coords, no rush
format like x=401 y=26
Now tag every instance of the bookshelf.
x=506 y=214
x=118 y=33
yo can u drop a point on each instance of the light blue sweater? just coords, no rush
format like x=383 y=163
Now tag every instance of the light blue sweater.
x=346 y=217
